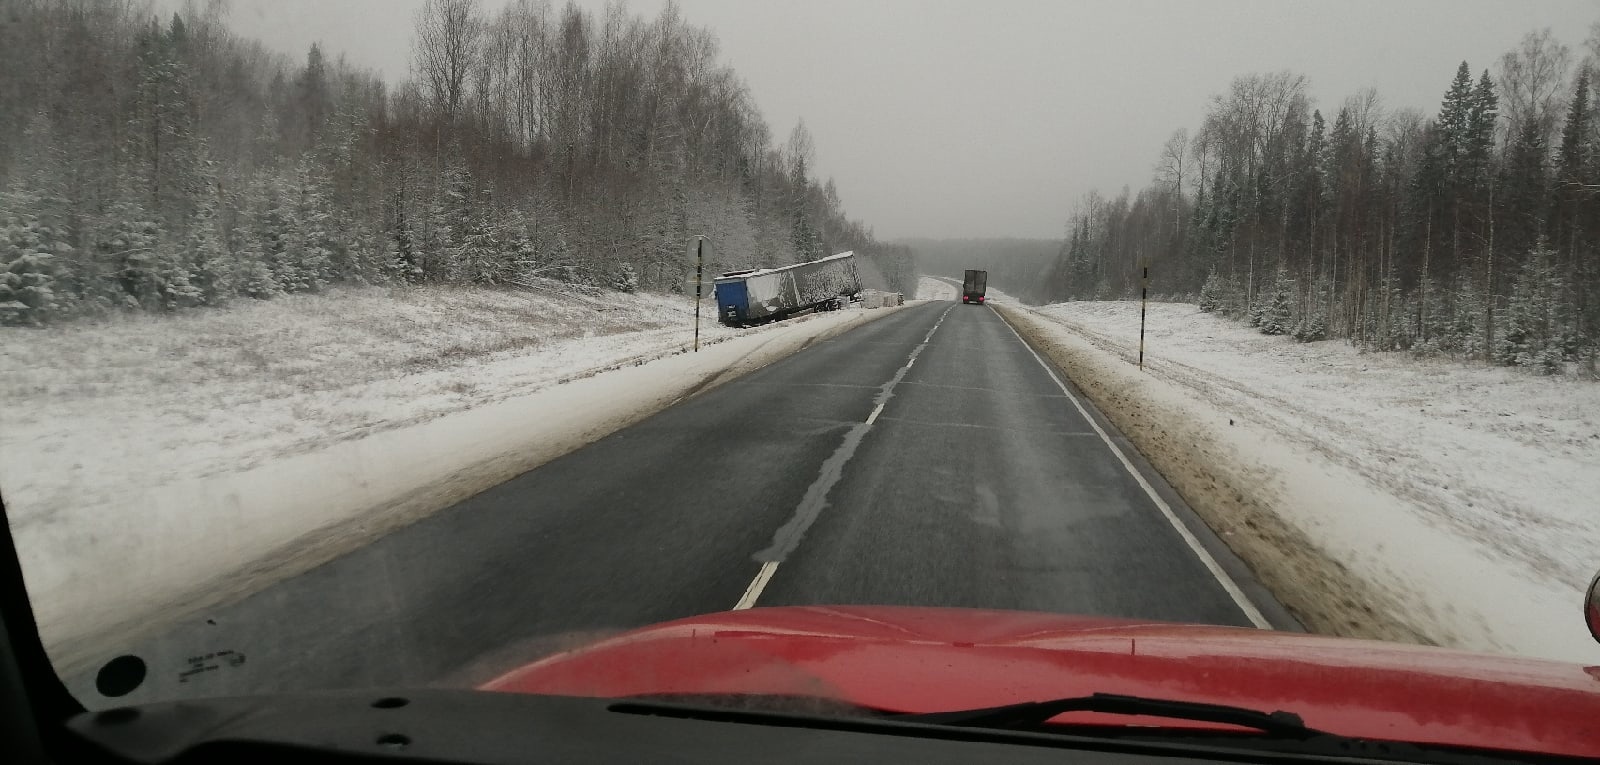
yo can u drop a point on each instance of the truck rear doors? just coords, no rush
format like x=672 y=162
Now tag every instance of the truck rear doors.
x=974 y=286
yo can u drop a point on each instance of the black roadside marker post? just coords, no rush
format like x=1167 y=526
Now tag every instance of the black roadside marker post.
x=699 y=266
x=1144 y=298
x=699 y=270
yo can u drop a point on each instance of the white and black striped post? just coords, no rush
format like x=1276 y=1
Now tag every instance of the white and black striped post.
x=1144 y=299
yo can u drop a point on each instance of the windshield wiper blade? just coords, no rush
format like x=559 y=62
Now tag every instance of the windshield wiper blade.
x=1285 y=732
x=1032 y=714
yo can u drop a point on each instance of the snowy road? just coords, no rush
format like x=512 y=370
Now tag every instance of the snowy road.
x=927 y=458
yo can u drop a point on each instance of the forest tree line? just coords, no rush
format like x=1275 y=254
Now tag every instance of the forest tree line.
x=1473 y=232
x=159 y=164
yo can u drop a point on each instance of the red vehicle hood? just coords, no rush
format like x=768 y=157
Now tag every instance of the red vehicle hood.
x=935 y=659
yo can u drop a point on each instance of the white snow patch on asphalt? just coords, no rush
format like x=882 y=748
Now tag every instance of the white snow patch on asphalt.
x=152 y=464
x=1464 y=496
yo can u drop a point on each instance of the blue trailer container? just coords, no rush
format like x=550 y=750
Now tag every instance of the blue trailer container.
x=768 y=294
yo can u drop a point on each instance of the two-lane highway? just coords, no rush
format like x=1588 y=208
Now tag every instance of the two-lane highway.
x=985 y=484
x=927 y=458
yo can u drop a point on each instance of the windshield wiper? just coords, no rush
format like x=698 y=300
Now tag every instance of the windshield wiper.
x=1281 y=732
x=1030 y=715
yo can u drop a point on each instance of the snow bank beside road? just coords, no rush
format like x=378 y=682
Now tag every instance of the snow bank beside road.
x=152 y=467
x=1378 y=495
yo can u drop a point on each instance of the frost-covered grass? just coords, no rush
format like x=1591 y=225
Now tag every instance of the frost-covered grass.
x=1472 y=490
x=161 y=398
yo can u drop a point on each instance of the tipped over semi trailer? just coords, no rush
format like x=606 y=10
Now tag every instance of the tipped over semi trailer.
x=769 y=294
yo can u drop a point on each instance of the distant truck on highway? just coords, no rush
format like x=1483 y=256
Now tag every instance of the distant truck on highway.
x=769 y=294
x=973 y=286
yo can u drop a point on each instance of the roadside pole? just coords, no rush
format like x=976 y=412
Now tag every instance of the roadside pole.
x=699 y=272
x=1144 y=299
x=699 y=285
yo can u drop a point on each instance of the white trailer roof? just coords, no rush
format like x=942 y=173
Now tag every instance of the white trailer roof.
x=732 y=275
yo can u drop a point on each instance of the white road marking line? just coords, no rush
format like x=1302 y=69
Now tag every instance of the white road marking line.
x=1250 y=611
x=757 y=584
x=871 y=418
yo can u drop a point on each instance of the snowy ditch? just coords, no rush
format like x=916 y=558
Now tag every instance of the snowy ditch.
x=153 y=467
x=1378 y=495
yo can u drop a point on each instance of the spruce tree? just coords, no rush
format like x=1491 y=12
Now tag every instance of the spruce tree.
x=212 y=265
x=1572 y=161
x=1210 y=300
x=1522 y=196
x=1434 y=326
x=263 y=241
x=1571 y=238
x=28 y=271
x=130 y=245
x=311 y=239
x=403 y=261
x=1454 y=117
x=480 y=253
x=1532 y=335
x=1277 y=314
x=626 y=279
x=524 y=253
x=1465 y=333
x=279 y=234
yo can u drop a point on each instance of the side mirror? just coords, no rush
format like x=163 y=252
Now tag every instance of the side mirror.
x=1591 y=607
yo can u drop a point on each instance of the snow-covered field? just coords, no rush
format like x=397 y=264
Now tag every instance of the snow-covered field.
x=152 y=461
x=929 y=288
x=160 y=399
x=1446 y=502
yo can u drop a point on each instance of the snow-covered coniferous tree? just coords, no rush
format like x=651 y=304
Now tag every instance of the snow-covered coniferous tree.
x=1276 y=313
x=626 y=279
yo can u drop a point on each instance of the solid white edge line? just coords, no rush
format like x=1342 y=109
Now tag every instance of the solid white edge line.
x=757 y=584
x=1250 y=611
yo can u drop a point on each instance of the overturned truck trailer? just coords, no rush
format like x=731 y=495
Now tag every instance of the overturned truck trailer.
x=768 y=294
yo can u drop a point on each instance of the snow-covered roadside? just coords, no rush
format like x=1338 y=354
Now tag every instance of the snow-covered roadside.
x=93 y=410
x=147 y=473
x=932 y=288
x=1378 y=495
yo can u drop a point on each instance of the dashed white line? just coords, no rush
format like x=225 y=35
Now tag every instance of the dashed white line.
x=757 y=584
x=871 y=418
x=1250 y=611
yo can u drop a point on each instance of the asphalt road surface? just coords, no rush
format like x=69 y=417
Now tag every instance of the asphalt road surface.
x=927 y=458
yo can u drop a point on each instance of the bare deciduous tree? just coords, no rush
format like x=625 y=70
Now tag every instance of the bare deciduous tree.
x=1533 y=79
x=1172 y=166
x=447 y=49
x=800 y=150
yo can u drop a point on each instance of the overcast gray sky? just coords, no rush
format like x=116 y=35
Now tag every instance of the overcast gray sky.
x=968 y=119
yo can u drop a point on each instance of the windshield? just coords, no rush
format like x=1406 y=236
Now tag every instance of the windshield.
x=408 y=342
